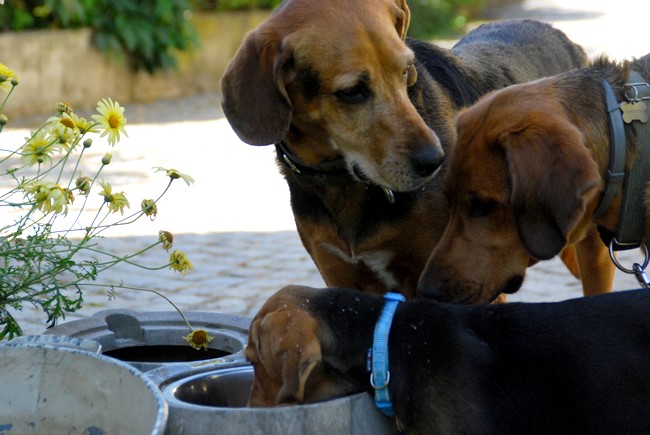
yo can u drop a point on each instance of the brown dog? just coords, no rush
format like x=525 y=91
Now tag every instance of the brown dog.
x=578 y=366
x=362 y=119
x=525 y=178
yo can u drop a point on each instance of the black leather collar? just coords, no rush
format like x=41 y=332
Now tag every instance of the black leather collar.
x=326 y=173
x=334 y=172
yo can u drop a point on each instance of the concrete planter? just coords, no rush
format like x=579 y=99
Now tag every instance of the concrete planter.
x=53 y=385
x=63 y=65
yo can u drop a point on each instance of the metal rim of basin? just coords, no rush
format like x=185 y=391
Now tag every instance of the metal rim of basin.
x=350 y=414
x=162 y=409
x=122 y=332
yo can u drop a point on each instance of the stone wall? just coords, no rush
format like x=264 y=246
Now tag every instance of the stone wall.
x=63 y=65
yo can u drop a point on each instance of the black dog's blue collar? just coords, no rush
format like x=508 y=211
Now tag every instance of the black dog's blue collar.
x=378 y=355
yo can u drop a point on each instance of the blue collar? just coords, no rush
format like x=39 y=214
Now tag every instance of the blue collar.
x=378 y=355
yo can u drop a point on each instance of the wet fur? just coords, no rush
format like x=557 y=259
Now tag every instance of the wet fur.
x=578 y=366
x=525 y=178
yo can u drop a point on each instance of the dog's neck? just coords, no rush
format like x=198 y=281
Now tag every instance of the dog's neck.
x=350 y=322
x=327 y=172
x=623 y=180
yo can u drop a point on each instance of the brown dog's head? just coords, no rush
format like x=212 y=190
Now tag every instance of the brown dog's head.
x=519 y=185
x=286 y=345
x=330 y=78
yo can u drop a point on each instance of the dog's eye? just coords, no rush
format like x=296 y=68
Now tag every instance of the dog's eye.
x=356 y=94
x=410 y=75
x=480 y=208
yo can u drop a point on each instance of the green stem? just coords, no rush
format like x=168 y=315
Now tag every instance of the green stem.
x=142 y=289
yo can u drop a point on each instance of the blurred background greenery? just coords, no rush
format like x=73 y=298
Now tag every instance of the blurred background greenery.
x=147 y=32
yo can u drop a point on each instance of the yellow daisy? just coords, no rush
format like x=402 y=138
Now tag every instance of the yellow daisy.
x=7 y=78
x=175 y=175
x=83 y=124
x=199 y=339
x=111 y=120
x=116 y=201
x=179 y=262
x=38 y=148
x=107 y=191
x=166 y=238
x=149 y=208
x=65 y=130
x=50 y=197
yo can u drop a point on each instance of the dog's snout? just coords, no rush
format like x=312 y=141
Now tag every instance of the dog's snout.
x=428 y=290
x=425 y=163
x=513 y=284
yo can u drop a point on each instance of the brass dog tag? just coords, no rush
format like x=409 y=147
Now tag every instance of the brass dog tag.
x=634 y=111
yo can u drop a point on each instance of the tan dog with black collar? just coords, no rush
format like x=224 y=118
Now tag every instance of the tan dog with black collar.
x=525 y=178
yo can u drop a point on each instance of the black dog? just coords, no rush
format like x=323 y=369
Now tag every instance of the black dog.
x=578 y=366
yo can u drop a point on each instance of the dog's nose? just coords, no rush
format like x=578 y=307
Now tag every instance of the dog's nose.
x=425 y=163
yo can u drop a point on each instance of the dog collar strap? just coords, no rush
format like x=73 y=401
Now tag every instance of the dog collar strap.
x=631 y=224
x=616 y=169
x=334 y=172
x=380 y=375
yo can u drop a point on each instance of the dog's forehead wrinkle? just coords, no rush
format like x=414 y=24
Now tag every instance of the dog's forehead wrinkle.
x=350 y=79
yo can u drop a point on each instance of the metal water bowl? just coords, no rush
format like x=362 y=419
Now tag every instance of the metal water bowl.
x=151 y=339
x=216 y=401
x=228 y=387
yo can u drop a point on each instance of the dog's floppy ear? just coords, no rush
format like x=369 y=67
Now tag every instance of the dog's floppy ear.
x=253 y=94
x=297 y=366
x=286 y=344
x=553 y=177
x=402 y=18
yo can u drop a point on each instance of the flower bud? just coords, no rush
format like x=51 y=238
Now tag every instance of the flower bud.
x=107 y=158
x=64 y=108
x=83 y=184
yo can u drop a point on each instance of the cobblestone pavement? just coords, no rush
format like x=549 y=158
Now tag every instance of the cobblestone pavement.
x=235 y=223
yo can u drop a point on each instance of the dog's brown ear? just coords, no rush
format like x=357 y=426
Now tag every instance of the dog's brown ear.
x=284 y=345
x=553 y=177
x=253 y=95
x=297 y=366
x=402 y=18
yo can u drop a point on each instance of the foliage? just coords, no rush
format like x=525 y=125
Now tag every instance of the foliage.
x=49 y=251
x=235 y=5
x=442 y=18
x=145 y=32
